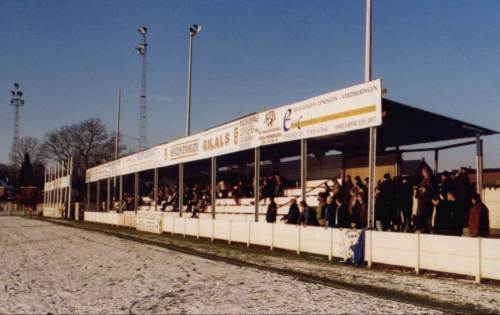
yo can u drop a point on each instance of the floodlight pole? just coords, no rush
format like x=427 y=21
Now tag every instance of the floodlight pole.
x=193 y=31
x=372 y=151
x=16 y=101
x=142 y=50
x=188 y=104
x=117 y=136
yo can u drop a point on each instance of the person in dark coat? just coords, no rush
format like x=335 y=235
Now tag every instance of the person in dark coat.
x=347 y=186
x=424 y=196
x=446 y=184
x=443 y=216
x=479 y=221
x=457 y=213
x=359 y=212
x=404 y=201
x=342 y=218
x=330 y=211
x=379 y=210
x=358 y=183
x=272 y=211
x=307 y=215
x=292 y=217
x=386 y=196
x=463 y=189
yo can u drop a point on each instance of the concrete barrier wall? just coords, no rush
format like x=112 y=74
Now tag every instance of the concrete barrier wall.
x=477 y=257
x=492 y=201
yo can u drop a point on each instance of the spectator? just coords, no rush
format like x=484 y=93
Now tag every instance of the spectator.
x=342 y=219
x=293 y=213
x=446 y=184
x=479 y=221
x=464 y=190
x=379 y=210
x=360 y=212
x=361 y=188
x=346 y=189
x=457 y=213
x=307 y=215
x=278 y=185
x=272 y=211
x=443 y=216
x=237 y=193
x=404 y=197
x=320 y=209
x=424 y=196
x=222 y=189
x=330 y=212
x=386 y=196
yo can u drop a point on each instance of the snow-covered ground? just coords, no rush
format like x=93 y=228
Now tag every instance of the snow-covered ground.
x=50 y=268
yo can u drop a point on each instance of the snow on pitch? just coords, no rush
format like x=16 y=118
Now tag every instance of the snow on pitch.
x=50 y=268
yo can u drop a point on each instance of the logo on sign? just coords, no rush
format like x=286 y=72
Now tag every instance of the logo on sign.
x=287 y=120
x=270 y=118
x=236 y=135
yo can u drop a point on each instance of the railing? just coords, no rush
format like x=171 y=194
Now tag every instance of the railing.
x=307 y=191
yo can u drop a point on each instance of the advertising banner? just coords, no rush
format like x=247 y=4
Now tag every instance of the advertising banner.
x=62 y=182
x=352 y=108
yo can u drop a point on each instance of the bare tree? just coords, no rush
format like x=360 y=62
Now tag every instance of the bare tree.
x=88 y=142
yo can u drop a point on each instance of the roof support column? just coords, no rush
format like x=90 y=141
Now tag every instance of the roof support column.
x=136 y=191
x=303 y=168
x=114 y=190
x=155 y=188
x=372 y=165
x=479 y=165
x=108 y=194
x=213 y=180
x=372 y=154
x=87 y=206
x=256 y=178
x=120 y=194
x=181 y=188
x=436 y=161
x=98 y=195
x=70 y=186
x=398 y=162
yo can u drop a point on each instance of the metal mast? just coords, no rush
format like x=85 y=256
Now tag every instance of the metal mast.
x=142 y=49
x=117 y=130
x=193 y=30
x=372 y=150
x=16 y=101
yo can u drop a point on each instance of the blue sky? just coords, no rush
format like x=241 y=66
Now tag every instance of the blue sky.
x=71 y=57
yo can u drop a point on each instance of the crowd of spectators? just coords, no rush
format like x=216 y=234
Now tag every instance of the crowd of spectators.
x=446 y=204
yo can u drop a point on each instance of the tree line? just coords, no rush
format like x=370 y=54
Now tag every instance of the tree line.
x=88 y=142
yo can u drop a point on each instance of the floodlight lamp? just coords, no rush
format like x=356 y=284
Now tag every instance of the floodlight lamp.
x=19 y=93
x=141 y=49
x=143 y=30
x=16 y=85
x=13 y=93
x=195 y=29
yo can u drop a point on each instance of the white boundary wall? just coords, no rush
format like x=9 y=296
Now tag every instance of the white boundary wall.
x=492 y=201
x=52 y=212
x=477 y=257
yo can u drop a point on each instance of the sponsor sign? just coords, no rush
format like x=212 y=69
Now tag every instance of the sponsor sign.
x=346 y=242
x=352 y=108
x=62 y=182
x=148 y=221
